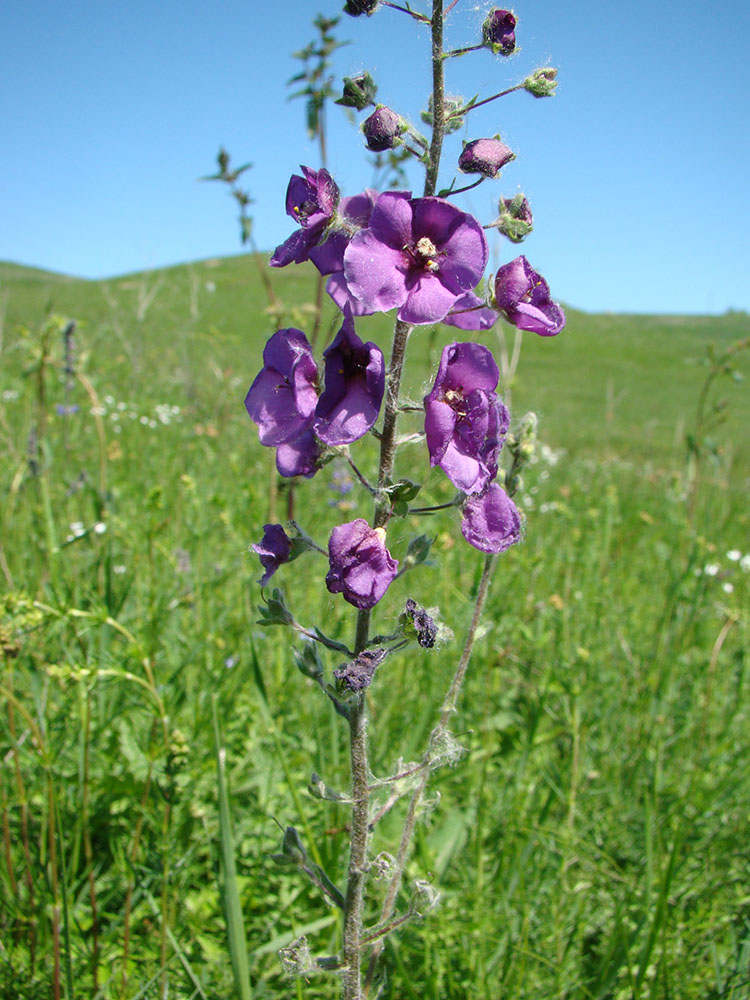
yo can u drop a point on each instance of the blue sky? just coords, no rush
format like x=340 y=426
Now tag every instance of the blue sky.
x=637 y=170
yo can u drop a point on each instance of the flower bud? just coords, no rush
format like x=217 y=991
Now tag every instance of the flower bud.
x=515 y=220
x=498 y=32
x=485 y=156
x=359 y=92
x=357 y=7
x=382 y=129
x=542 y=82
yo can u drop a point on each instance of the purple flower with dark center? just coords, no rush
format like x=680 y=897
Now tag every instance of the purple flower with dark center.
x=491 y=521
x=485 y=156
x=299 y=457
x=283 y=397
x=361 y=567
x=418 y=255
x=465 y=419
x=274 y=549
x=523 y=295
x=382 y=129
x=354 y=386
x=311 y=201
x=499 y=32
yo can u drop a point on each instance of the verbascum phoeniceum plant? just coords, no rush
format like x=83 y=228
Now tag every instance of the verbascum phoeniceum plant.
x=423 y=259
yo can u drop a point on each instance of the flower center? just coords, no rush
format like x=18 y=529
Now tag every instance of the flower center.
x=426 y=253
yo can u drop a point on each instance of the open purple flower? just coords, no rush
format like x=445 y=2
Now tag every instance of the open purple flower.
x=523 y=295
x=485 y=156
x=274 y=549
x=361 y=567
x=311 y=201
x=465 y=419
x=354 y=386
x=418 y=255
x=491 y=521
x=283 y=397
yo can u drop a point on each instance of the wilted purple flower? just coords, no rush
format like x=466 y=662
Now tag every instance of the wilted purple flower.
x=382 y=129
x=361 y=567
x=498 y=32
x=274 y=549
x=515 y=220
x=419 y=255
x=354 y=386
x=471 y=313
x=311 y=201
x=523 y=295
x=423 y=624
x=283 y=397
x=299 y=457
x=465 y=419
x=485 y=156
x=491 y=521
x=358 y=673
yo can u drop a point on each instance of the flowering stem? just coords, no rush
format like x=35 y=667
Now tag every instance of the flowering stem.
x=468 y=187
x=405 y=10
x=448 y=707
x=438 y=98
x=502 y=93
x=462 y=52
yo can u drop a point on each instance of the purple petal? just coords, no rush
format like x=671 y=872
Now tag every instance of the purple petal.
x=391 y=219
x=375 y=273
x=283 y=397
x=469 y=312
x=298 y=457
x=361 y=567
x=460 y=240
x=338 y=289
x=427 y=301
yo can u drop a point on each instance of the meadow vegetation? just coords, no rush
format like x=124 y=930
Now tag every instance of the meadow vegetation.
x=591 y=843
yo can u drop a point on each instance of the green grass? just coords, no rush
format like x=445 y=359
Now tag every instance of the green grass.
x=592 y=842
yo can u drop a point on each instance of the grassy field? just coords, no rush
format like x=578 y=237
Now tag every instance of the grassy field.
x=593 y=840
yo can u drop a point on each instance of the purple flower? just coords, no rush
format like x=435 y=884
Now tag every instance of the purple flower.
x=274 y=549
x=382 y=129
x=311 y=201
x=283 y=397
x=361 y=567
x=485 y=156
x=299 y=457
x=491 y=521
x=465 y=419
x=418 y=255
x=523 y=295
x=354 y=386
x=498 y=32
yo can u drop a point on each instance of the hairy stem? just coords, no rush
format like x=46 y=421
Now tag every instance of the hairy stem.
x=448 y=707
x=438 y=98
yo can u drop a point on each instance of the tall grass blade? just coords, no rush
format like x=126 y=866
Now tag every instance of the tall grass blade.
x=229 y=888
